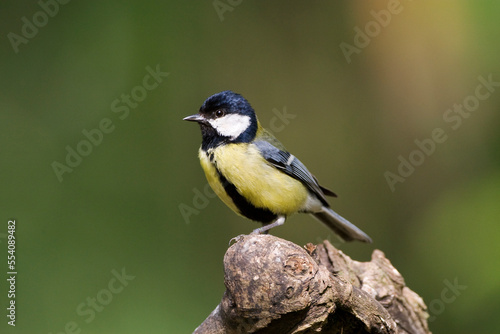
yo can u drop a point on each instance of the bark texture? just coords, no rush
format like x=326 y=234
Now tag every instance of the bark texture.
x=276 y=286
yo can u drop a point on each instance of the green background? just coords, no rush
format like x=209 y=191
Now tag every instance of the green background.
x=120 y=207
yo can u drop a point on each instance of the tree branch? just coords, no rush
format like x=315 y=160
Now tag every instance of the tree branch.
x=276 y=286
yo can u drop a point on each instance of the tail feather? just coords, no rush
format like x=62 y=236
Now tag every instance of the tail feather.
x=341 y=226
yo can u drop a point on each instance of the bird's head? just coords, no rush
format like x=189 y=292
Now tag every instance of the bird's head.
x=225 y=117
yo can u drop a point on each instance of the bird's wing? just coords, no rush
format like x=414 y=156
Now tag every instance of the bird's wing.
x=290 y=165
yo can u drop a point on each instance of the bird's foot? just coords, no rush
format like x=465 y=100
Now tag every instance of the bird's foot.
x=278 y=222
x=236 y=239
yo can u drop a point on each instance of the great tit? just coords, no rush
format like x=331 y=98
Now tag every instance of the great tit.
x=253 y=173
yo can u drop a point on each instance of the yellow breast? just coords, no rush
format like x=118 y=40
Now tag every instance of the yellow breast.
x=260 y=183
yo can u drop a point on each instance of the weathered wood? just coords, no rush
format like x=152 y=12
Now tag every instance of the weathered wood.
x=276 y=286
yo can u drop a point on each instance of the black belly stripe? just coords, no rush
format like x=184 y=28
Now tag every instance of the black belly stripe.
x=246 y=208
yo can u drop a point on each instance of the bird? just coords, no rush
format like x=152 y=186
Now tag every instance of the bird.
x=254 y=174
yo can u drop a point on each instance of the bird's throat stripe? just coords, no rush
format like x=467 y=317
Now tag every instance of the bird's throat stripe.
x=246 y=208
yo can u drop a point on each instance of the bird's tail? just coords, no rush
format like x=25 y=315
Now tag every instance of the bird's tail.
x=341 y=226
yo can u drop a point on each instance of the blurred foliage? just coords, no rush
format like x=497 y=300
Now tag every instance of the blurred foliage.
x=119 y=207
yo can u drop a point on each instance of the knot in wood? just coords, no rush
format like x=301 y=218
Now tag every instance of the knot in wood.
x=299 y=265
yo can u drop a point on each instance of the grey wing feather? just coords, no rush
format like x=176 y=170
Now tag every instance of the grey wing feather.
x=290 y=165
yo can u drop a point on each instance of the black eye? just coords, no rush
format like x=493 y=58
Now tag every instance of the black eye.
x=219 y=113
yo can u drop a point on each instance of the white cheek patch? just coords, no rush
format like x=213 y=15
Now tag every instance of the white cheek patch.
x=231 y=125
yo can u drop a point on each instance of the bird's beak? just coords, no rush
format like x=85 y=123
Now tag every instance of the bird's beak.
x=195 y=118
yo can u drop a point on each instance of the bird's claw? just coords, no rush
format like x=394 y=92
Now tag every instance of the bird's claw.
x=236 y=239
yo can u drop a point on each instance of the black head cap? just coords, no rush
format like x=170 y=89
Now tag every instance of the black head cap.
x=229 y=102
